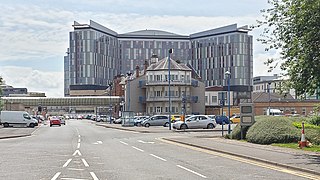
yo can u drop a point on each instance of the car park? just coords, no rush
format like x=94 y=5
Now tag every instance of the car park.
x=156 y=120
x=55 y=121
x=195 y=122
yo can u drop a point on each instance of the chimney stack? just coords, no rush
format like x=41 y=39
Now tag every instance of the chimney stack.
x=145 y=67
x=137 y=71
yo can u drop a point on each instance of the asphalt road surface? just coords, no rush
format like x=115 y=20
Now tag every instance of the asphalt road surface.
x=81 y=150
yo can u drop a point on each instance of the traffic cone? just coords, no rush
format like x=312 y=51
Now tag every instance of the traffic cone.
x=303 y=142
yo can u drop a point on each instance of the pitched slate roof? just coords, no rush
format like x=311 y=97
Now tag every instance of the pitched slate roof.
x=163 y=64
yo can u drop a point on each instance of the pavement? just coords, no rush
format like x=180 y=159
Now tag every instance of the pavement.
x=15 y=132
x=293 y=159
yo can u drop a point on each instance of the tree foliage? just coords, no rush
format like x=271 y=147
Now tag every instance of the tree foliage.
x=293 y=28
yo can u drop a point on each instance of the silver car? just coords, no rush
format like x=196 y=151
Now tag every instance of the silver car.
x=195 y=122
x=156 y=120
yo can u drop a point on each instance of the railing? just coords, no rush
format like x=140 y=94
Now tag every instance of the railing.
x=173 y=82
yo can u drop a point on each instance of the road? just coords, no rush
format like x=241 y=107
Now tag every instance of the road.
x=82 y=150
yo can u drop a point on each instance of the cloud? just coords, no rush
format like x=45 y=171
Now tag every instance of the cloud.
x=41 y=34
x=50 y=83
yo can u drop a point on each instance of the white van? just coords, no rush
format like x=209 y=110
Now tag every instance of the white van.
x=274 y=112
x=10 y=118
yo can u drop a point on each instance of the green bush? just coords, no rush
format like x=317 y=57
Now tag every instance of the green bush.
x=315 y=120
x=306 y=125
x=273 y=130
x=313 y=135
x=236 y=133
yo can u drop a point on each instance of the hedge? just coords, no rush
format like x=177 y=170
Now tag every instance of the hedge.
x=273 y=130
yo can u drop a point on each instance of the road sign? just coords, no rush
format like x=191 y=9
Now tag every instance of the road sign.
x=246 y=114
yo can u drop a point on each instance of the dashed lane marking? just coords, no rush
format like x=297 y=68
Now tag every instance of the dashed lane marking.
x=137 y=148
x=78 y=146
x=158 y=157
x=123 y=143
x=191 y=171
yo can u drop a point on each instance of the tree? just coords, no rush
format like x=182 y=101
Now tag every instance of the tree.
x=293 y=27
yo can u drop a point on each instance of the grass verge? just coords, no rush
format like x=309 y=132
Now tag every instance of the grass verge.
x=313 y=148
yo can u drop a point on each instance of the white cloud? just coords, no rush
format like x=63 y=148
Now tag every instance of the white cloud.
x=50 y=83
x=37 y=33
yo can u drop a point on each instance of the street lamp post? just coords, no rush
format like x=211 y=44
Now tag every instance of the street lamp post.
x=228 y=74
x=110 y=108
x=129 y=78
x=169 y=79
x=269 y=83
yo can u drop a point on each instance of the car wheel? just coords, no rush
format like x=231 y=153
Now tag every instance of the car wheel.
x=139 y=124
x=31 y=125
x=147 y=125
x=183 y=126
x=166 y=124
x=5 y=125
x=210 y=126
x=50 y=125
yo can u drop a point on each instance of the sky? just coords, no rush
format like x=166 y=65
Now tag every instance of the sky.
x=34 y=34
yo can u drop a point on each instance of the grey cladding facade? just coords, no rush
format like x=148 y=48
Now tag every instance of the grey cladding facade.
x=97 y=54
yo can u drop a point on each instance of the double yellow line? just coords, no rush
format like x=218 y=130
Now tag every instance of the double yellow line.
x=248 y=161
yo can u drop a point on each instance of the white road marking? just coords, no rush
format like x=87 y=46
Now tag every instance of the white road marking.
x=100 y=142
x=56 y=176
x=79 y=140
x=146 y=142
x=158 y=157
x=74 y=169
x=66 y=164
x=192 y=171
x=79 y=136
x=85 y=163
x=76 y=152
x=124 y=143
x=73 y=179
x=78 y=145
x=137 y=148
x=94 y=176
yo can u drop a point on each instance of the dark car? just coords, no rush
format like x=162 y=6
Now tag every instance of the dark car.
x=222 y=119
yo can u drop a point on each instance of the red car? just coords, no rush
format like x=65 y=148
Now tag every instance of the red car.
x=55 y=122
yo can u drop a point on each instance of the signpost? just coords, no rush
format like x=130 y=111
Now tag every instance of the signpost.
x=246 y=115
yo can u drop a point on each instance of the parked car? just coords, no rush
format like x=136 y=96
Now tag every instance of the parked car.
x=195 y=122
x=222 y=119
x=55 y=121
x=118 y=121
x=138 y=120
x=9 y=118
x=62 y=120
x=156 y=120
x=235 y=118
